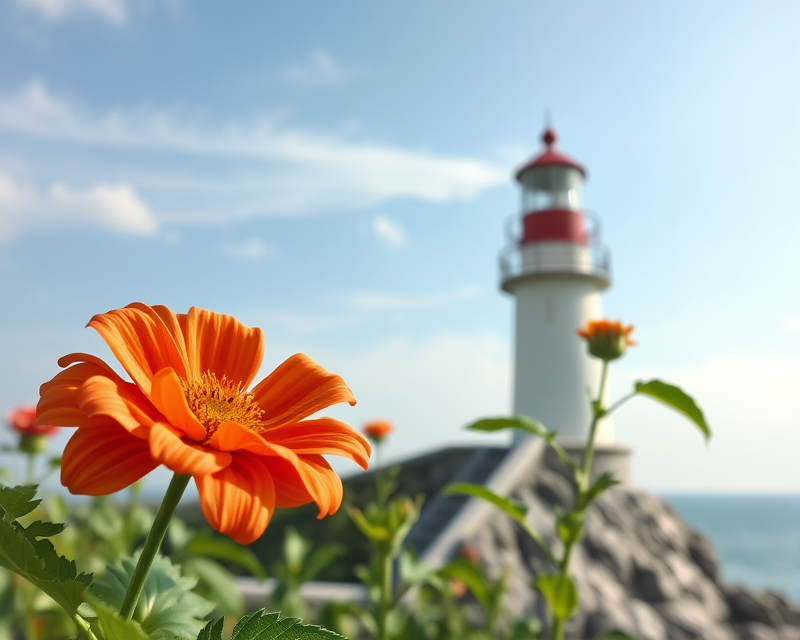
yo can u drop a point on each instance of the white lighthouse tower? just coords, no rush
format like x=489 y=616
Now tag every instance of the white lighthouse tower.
x=556 y=268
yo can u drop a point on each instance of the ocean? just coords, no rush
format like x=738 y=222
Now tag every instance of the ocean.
x=757 y=537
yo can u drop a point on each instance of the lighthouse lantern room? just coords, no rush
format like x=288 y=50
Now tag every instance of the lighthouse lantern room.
x=555 y=267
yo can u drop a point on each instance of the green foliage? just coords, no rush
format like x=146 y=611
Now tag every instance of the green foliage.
x=167 y=602
x=387 y=526
x=605 y=481
x=529 y=425
x=569 y=526
x=27 y=552
x=113 y=626
x=267 y=626
x=674 y=398
x=561 y=593
x=516 y=510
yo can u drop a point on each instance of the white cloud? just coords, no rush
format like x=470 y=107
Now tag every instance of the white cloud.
x=24 y=209
x=114 y=11
x=319 y=68
x=345 y=173
x=251 y=249
x=389 y=231
x=390 y=302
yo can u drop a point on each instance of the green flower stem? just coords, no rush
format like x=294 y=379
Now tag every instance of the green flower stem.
x=598 y=412
x=384 y=605
x=84 y=626
x=584 y=481
x=30 y=469
x=151 y=546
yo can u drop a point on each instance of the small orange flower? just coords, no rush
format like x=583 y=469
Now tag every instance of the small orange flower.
x=607 y=339
x=23 y=421
x=377 y=430
x=188 y=407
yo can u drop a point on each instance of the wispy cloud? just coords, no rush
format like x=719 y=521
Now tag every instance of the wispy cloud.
x=25 y=209
x=390 y=302
x=319 y=68
x=308 y=323
x=389 y=231
x=251 y=249
x=113 y=11
x=346 y=173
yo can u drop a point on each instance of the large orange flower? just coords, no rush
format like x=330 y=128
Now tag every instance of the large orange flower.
x=190 y=407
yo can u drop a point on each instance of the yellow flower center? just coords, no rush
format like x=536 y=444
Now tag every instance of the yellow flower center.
x=214 y=401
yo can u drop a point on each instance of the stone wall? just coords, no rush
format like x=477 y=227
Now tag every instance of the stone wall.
x=640 y=568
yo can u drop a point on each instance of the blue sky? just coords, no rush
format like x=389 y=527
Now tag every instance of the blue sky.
x=339 y=174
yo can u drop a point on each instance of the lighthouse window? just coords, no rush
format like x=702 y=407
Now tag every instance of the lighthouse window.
x=554 y=187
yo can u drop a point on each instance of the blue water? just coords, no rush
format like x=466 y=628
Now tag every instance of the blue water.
x=757 y=538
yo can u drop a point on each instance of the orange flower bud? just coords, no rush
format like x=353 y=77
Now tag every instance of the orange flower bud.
x=377 y=430
x=607 y=339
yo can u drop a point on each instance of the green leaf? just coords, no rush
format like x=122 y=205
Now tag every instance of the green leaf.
x=513 y=508
x=212 y=631
x=529 y=425
x=524 y=423
x=18 y=501
x=225 y=549
x=561 y=594
x=216 y=583
x=113 y=626
x=320 y=558
x=28 y=553
x=167 y=601
x=605 y=481
x=270 y=626
x=675 y=398
x=470 y=575
x=569 y=526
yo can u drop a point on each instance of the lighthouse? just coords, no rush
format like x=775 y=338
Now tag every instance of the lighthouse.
x=556 y=268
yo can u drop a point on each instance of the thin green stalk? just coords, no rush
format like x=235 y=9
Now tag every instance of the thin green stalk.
x=30 y=469
x=151 y=546
x=84 y=626
x=385 y=576
x=583 y=482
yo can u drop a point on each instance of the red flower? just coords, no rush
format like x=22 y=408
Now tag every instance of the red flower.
x=23 y=421
x=377 y=430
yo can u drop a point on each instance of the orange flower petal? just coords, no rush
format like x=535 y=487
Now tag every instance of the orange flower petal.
x=183 y=457
x=298 y=388
x=64 y=400
x=239 y=500
x=298 y=479
x=167 y=395
x=221 y=344
x=121 y=401
x=142 y=342
x=303 y=480
x=97 y=462
x=323 y=435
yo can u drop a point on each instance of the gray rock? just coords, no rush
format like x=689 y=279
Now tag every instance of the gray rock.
x=555 y=489
x=653 y=581
x=789 y=632
x=687 y=618
x=702 y=553
x=648 y=625
x=607 y=546
x=757 y=631
x=748 y=606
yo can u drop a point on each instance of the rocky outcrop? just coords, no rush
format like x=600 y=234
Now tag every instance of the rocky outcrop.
x=640 y=568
